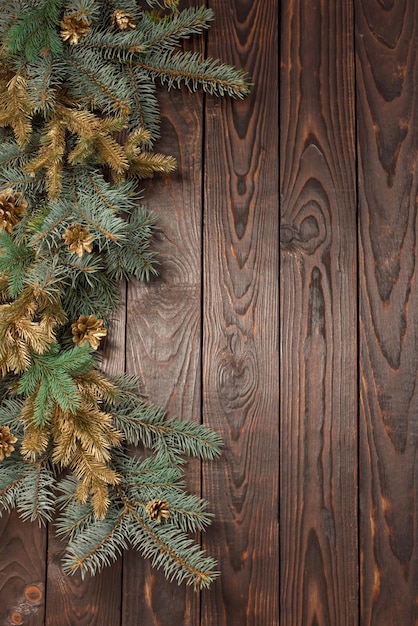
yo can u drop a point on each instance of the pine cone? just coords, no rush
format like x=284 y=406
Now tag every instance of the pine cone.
x=158 y=510
x=122 y=20
x=88 y=329
x=6 y=442
x=74 y=27
x=12 y=209
x=78 y=239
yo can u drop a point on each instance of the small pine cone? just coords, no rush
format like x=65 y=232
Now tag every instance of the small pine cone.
x=12 y=209
x=88 y=329
x=6 y=442
x=74 y=27
x=122 y=20
x=158 y=510
x=78 y=239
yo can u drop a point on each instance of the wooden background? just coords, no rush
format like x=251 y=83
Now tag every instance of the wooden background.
x=315 y=498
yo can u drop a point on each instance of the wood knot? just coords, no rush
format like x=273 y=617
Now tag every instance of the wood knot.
x=237 y=379
x=33 y=594
x=303 y=237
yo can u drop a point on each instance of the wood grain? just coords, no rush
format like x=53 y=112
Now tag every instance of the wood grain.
x=387 y=87
x=204 y=336
x=318 y=316
x=240 y=343
x=164 y=333
x=22 y=572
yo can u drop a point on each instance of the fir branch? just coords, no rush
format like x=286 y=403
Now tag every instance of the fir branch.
x=89 y=74
x=193 y=71
x=100 y=543
x=180 y=558
x=50 y=380
x=16 y=109
x=79 y=232
x=43 y=78
x=146 y=109
x=35 y=499
x=35 y=31
x=14 y=262
x=167 y=33
x=13 y=472
x=121 y=47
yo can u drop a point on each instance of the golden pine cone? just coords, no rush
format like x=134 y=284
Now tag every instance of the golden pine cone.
x=78 y=239
x=88 y=329
x=6 y=442
x=12 y=209
x=122 y=20
x=74 y=27
x=158 y=510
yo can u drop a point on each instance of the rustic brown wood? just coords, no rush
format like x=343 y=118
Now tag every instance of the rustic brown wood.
x=240 y=346
x=163 y=335
x=214 y=311
x=318 y=316
x=22 y=572
x=387 y=77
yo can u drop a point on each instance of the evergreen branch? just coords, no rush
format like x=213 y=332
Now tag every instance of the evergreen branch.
x=16 y=109
x=108 y=234
x=180 y=558
x=9 y=487
x=144 y=164
x=89 y=74
x=64 y=245
x=50 y=380
x=147 y=425
x=51 y=223
x=145 y=103
x=120 y=198
x=44 y=78
x=167 y=33
x=35 y=31
x=121 y=47
x=100 y=544
x=191 y=70
x=36 y=496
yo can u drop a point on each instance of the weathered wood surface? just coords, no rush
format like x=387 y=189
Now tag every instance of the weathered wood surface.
x=204 y=336
x=164 y=337
x=22 y=572
x=318 y=316
x=240 y=342
x=387 y=114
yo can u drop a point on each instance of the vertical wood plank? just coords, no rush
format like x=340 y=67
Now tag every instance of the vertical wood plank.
x=164 y=333
x=387 y=71
x=22 y=572
x=318 y=316
x=94 y=601
x=240 y=373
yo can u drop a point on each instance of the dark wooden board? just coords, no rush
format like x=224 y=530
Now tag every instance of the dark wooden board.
x=387 y=114
x=240 y=343
x=204 y=335
x=22 y=572
x=164 y=334
x=318 y=457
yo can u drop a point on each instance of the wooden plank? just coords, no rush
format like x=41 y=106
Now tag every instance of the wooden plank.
x=163 y=334
x=240 y=346
x=95 y=601
x=318 y=316
x=387 y=71
x=22 y=572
